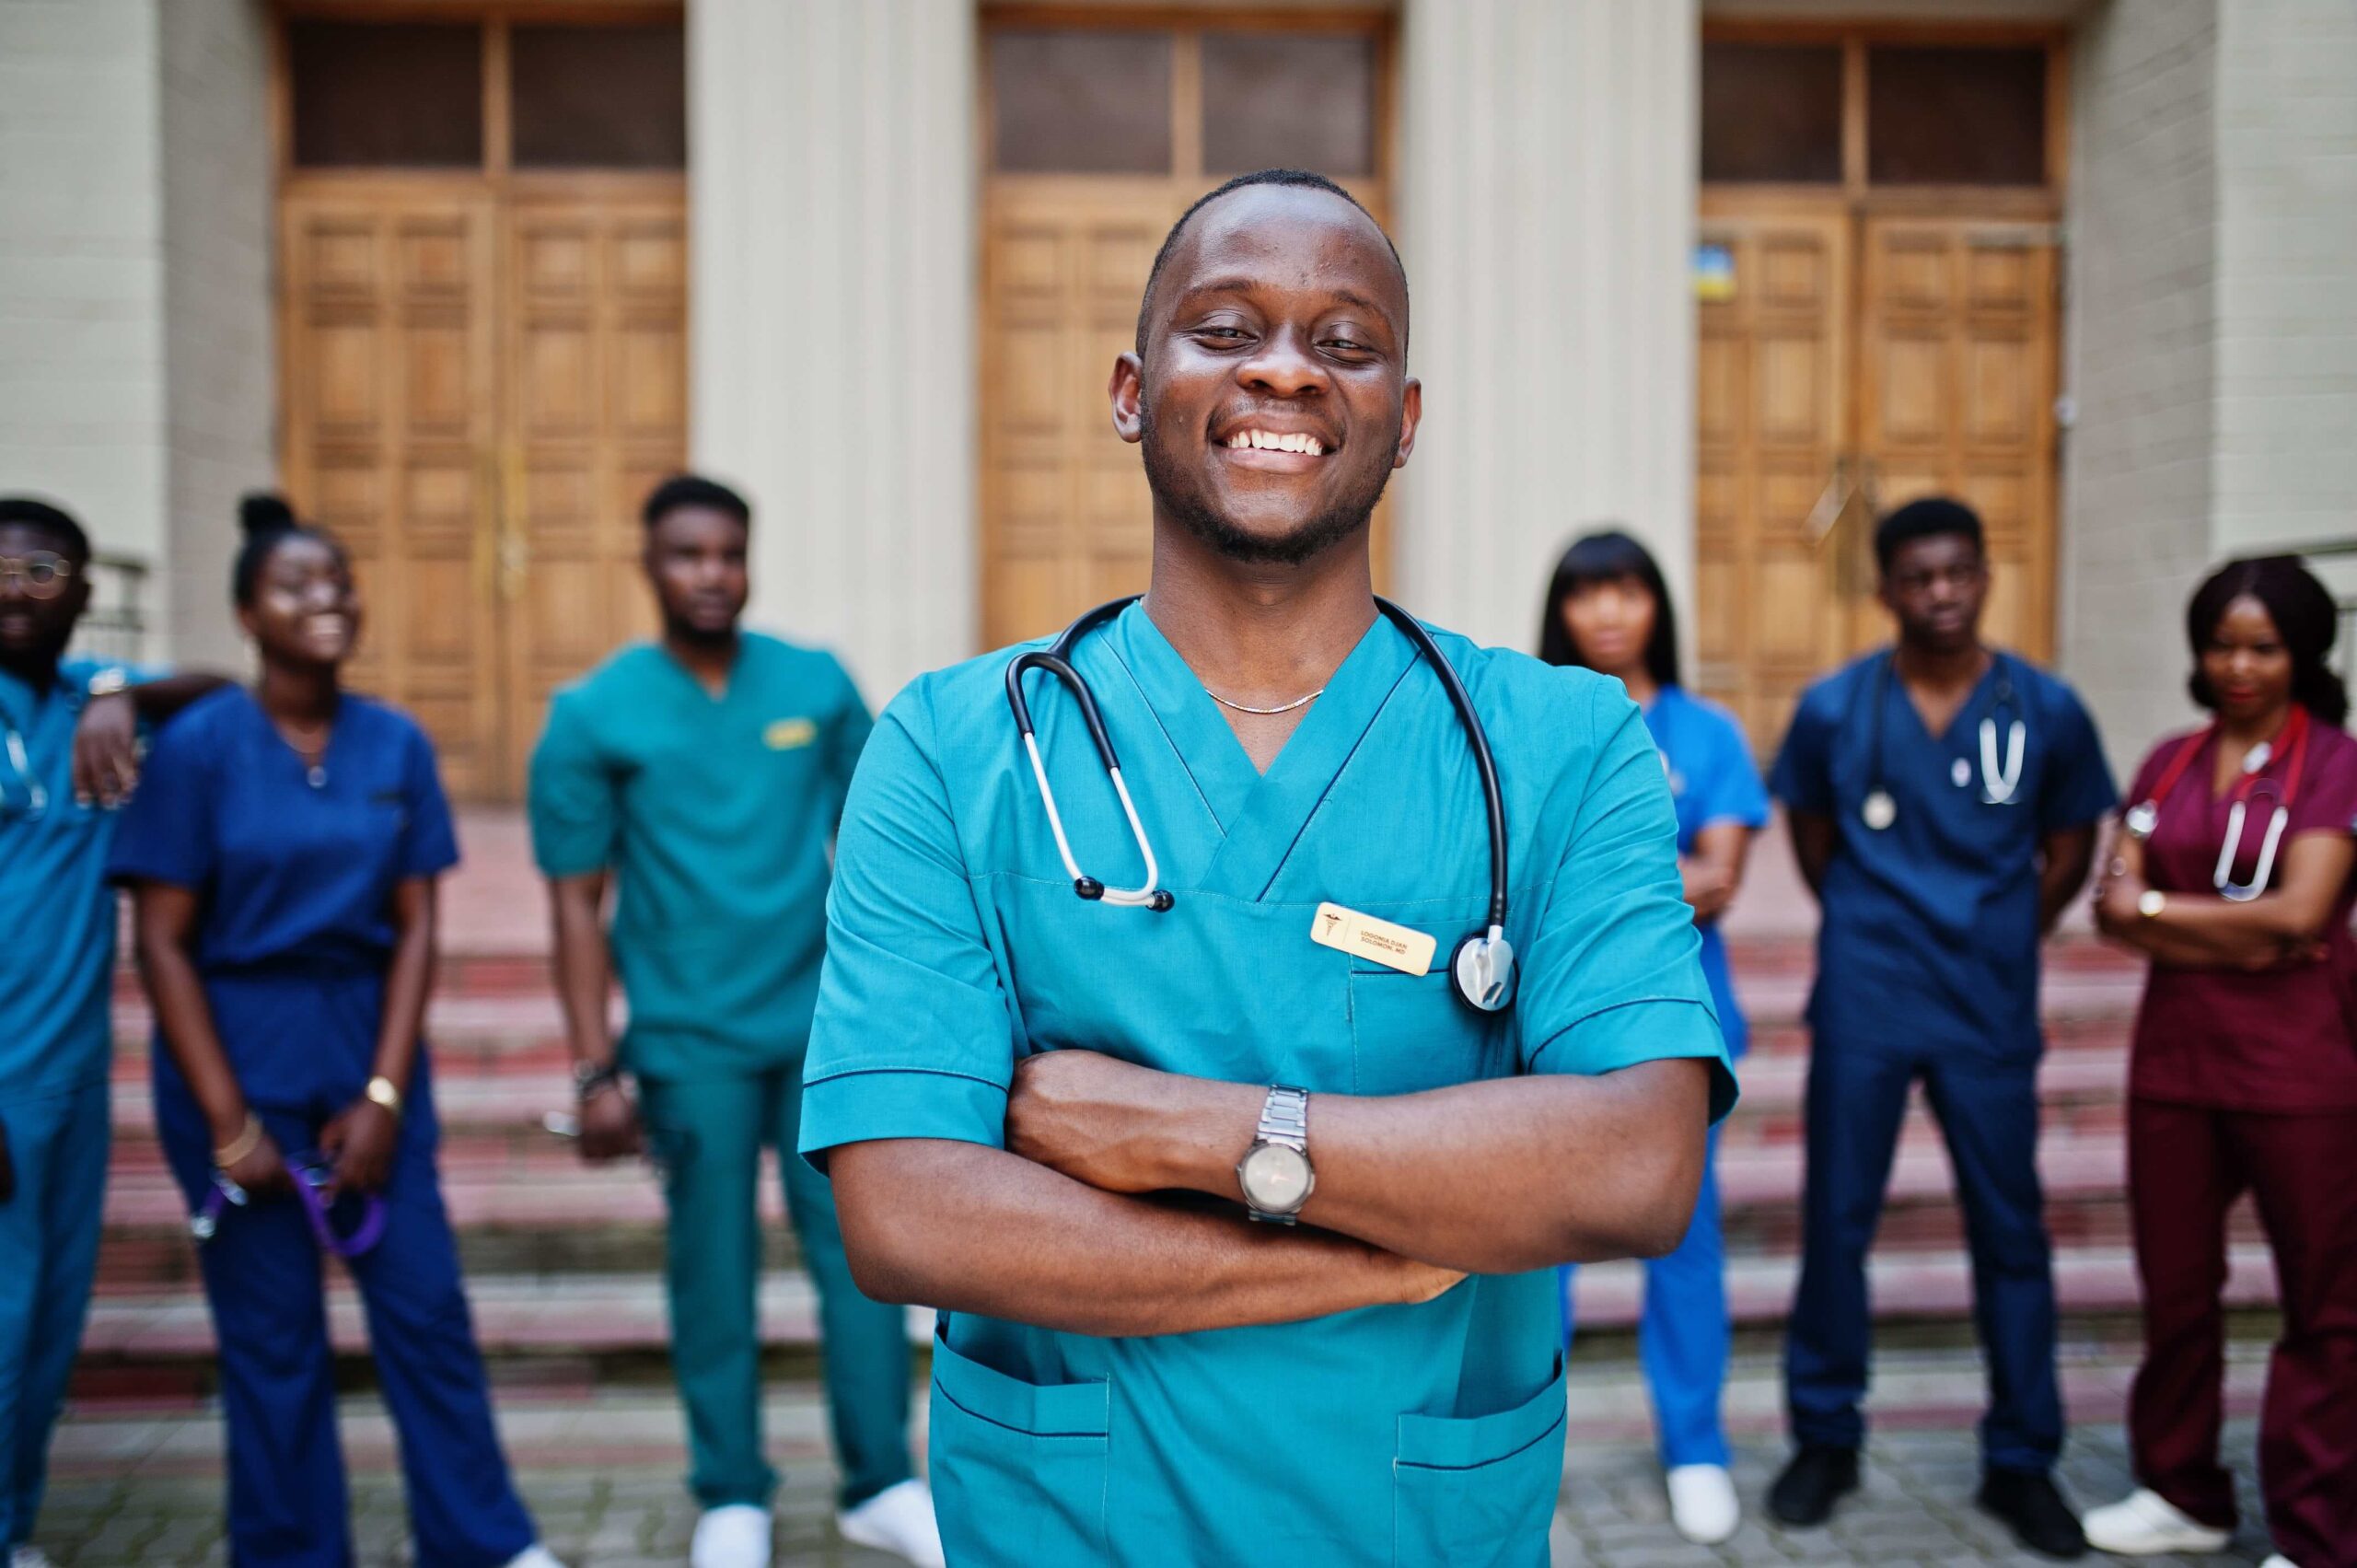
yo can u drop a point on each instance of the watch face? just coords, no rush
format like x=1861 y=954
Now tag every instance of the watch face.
x=1276 y=1178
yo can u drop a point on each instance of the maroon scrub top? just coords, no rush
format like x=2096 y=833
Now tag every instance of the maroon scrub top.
x=2283 y=1039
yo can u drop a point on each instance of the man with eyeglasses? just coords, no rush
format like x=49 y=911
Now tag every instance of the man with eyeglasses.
x=68 y=755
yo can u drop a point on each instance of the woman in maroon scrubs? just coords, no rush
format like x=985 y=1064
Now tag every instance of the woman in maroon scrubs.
x=2234 y=875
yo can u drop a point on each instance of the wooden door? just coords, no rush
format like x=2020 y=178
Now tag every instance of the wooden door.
x=1068 y=238
x=595 y=377
x=1774 y=478
x=389 y=351
x=1956 y=386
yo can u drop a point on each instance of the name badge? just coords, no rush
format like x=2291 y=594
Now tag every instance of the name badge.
x=784 y=735
x=1363 y=935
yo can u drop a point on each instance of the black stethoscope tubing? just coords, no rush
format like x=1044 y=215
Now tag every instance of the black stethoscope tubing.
x=1056 y=659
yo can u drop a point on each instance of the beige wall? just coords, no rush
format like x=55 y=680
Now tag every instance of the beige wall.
x=1547 y=217
x=831 y=366
x=134 y=351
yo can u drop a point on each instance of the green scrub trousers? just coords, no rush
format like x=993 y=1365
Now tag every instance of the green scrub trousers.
x=709 y=1132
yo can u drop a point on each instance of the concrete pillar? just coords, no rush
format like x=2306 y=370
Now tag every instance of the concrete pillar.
x=831 y=369
x=1546 y=218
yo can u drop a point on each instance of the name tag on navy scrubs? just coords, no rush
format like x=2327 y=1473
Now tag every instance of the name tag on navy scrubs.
x=1363 y=935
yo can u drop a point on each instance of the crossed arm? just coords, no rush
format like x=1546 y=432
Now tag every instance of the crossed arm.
x=1064 y=1228
x=2202 y=931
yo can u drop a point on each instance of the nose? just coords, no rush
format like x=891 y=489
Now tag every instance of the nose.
x=1282 y=366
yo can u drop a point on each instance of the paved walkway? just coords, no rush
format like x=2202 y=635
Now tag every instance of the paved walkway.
x=1915 y=1510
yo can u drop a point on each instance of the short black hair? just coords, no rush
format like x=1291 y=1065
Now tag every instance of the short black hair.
x=693 y=489
x=1933 y=516
x=1610 y=555
x=26 y=512
x=267 y=521
x=1294 y=178
x=2304 y=616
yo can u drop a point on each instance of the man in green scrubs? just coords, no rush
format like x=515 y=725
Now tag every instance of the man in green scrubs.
x=704 y=774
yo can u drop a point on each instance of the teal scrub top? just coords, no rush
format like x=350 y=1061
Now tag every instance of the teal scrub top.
x=57 y=917
x=957 y=945
x=713 y=814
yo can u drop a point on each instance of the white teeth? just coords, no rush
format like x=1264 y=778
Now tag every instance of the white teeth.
x=1269 y=441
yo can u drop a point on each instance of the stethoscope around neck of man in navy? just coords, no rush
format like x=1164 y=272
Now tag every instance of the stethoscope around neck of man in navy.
x=1482 y=967
x=1998 y=779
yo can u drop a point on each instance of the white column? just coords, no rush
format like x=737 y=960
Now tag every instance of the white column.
x=1548 y=153
x=832 y=372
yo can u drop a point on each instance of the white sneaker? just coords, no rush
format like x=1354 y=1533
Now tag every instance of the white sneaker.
x=1703 y=1502
x=735 y=1535
x=34 y=1557
x=900 y=1520
x=535 y=1556
x=2276 y=1560
x=2145 y=1523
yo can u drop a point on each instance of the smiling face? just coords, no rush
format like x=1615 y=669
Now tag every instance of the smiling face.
x=36 y=622
x=2246 y=663
x=305 y=611
x=1936 y=587
x=1272 y=400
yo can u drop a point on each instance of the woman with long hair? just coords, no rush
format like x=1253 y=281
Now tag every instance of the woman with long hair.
x=1607 y=610
x=281 y=851
x=2236 y=874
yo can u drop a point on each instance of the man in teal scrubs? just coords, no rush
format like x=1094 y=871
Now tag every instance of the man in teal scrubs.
x=704 y=774
x=67 y=759
x=1045 y=1109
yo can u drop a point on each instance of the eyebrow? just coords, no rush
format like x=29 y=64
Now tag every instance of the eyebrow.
x=1241 y=283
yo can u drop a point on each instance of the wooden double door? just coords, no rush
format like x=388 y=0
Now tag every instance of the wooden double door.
x=1851 y=361
x=480 y=385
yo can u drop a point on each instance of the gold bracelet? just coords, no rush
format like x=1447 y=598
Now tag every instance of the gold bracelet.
x=238 y=1147
x=380 y=1091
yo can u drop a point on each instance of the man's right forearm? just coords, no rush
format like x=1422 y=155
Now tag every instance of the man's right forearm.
x=969 y=1229
x=582 y=966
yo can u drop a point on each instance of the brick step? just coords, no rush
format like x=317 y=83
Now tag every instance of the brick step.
x=601 y=1329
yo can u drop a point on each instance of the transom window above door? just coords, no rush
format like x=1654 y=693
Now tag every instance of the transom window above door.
x=1213 y=101
x=1835 y=109
x=486 y=94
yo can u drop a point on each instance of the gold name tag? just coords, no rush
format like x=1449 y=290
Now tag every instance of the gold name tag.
x=1363 y=935
x=784 y=735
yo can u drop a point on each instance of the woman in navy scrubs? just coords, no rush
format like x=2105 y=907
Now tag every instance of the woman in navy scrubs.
x=282 y=849
x=2243 y=1074
x=1609 y=611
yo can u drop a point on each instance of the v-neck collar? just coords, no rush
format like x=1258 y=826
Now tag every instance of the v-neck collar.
x=1259 y=815
x=1972 y=698
x=719 y=699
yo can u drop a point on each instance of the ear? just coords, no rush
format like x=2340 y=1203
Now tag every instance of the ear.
x=1411 y=415
x=246 y=623
x=1126 y=391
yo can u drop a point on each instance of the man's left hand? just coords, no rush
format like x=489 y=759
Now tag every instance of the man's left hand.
x=106 y=751
x=1122 y=1128
x=360 y=1140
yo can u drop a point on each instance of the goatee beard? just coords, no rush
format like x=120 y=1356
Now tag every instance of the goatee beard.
x=1174 y=495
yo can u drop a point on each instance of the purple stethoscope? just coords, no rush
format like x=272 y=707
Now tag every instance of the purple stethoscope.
x=311 y=1177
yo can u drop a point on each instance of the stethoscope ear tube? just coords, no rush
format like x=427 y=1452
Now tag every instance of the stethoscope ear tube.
x=1146 y=895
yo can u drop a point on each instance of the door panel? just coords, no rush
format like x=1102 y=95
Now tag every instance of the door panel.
x=1957 y=371
x=597 y=416
x=389 y=373
x=1769 y=441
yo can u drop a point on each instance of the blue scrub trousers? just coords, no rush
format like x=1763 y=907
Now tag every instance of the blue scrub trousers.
x=708 y=1134
x=49 y=1254
x=1988 y=1114
x=1683 y=1333
x=262 y=1275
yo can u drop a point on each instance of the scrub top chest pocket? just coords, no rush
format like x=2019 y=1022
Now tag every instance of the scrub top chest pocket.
x=1411 y=1032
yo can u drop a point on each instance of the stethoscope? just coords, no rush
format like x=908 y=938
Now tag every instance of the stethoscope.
x=12 y=740
x=1998 y=781
x=2145 y=815
x=1483 y=965
x=311 y=1177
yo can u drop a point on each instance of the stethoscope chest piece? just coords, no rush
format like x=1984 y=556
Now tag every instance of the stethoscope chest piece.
x=1482 y=970
x=1879 y=811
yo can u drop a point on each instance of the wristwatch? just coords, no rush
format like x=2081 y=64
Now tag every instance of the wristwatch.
x=381 y=1091
x=589 y=1077
x=2151 y=903
x=1275 y=1172
x=109 y=682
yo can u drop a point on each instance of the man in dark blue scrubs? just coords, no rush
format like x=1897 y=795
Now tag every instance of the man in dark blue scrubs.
x=1943 y=797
